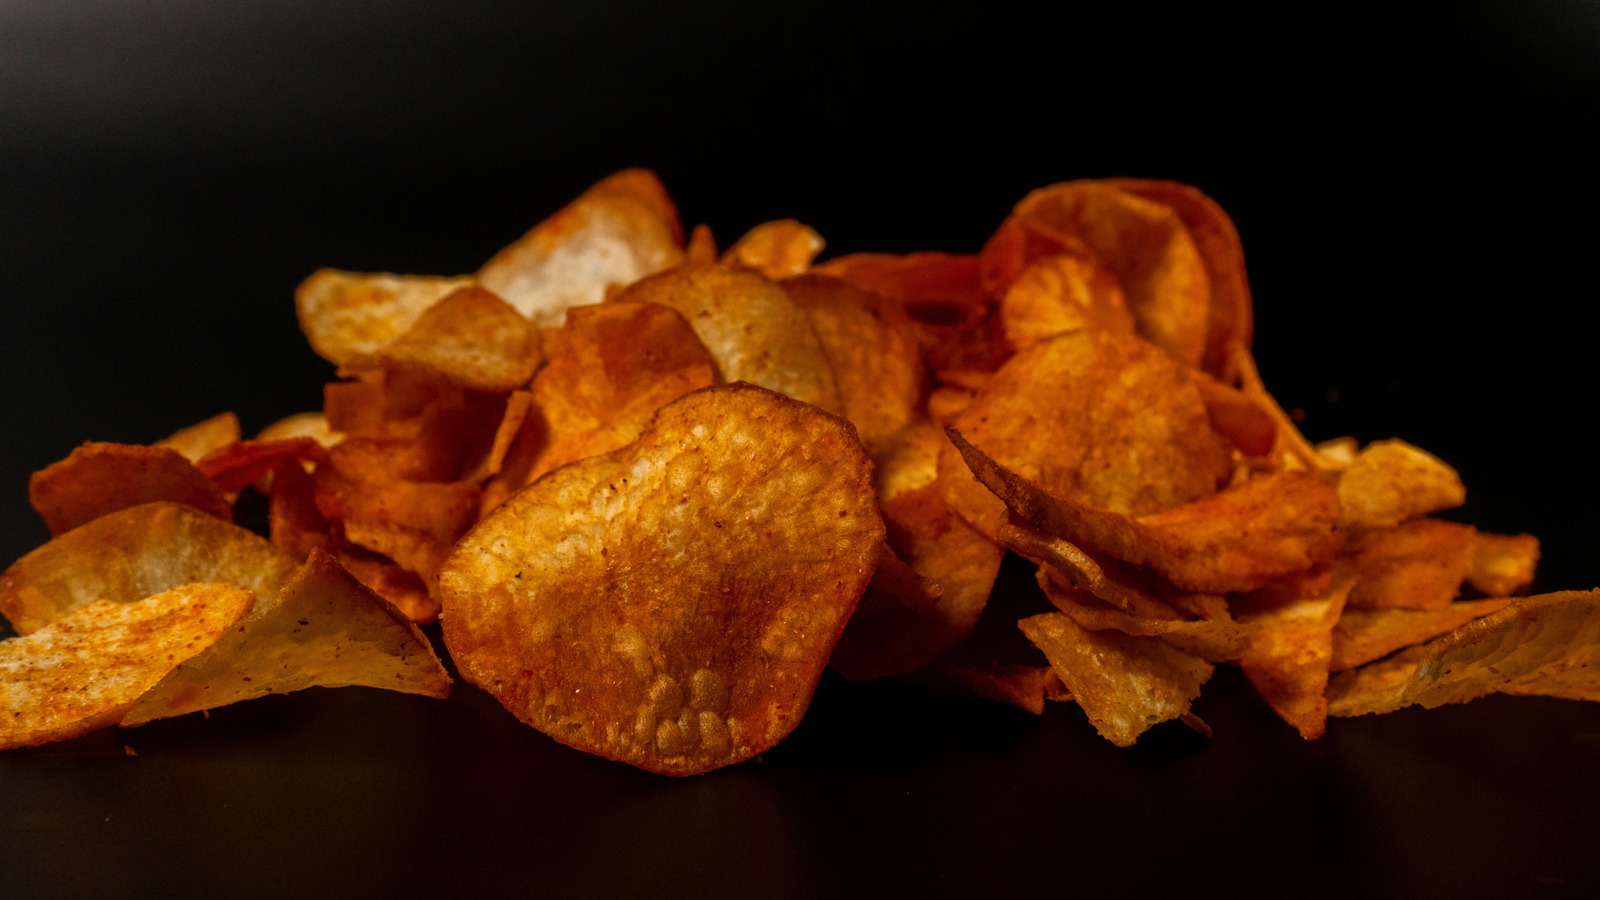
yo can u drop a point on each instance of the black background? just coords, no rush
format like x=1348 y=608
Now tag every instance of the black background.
x=1416 y=190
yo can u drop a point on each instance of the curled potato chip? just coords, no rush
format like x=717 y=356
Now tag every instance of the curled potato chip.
x=324 y=629
x=1213 y=640
x=1230 y=317
x=1148 y=248
x=470 y=338
x=100 y=478
x=776 y=249
x=201 y=438
x=1391 y=481
x=350 y=314
x=85 y=669
x=1062 y=293
x=1418 y=564
x=871 y=346
x=1061 y=413
x=671 y=604
x=1547 y=645
x=1364 y=635
x=240 y=463
x=313 y=425
x=618 y=231
x=133 y=553
x=1291 y=650
x=751 y=327
x=1125 y=684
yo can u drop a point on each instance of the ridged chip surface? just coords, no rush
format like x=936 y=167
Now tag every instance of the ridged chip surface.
x=672 y=604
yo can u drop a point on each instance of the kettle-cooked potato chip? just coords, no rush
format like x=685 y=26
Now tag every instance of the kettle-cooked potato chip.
x=470 y=338
x=201 y=438
x=776 y=249
x=349 y=314
x=1391 y=481
x=100 y=478
x=671 y=604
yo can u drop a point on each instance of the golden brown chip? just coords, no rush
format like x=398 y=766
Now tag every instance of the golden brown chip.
x=351 y=314
x=1232 y=414
x=132 y=554
x=470 y=338
x=1502 y=563
x=672 y=604
x=313 y=425
x=1213 y=640
x=1391 y=481
x=1547 y=644
x=325 y=630
x=82 y=671
x=618 y=231
x=871 y=345
x=1290 y=653
x=1364 y=635
x=751 y=328
x=203 y=437
x=1104 y=419
x=1418 y=564
x=240 y=463
x=702 y=246
x=1125 y=684
x=776 y=249
x=1146 y=246
x=100 y=478
x=1062 y=293
x=1230 y=316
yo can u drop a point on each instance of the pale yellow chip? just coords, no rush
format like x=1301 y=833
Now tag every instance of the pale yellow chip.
x=133 y=553
x=326 y=630
x=1125 y=684
x=618 y=231
x=1391 y=481
x=82 y=671
x=754 y=331
x=201 y=438
x=313 y=425
x=349 y=314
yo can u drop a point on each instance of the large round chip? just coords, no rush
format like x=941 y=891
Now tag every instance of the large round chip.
x=671 y=604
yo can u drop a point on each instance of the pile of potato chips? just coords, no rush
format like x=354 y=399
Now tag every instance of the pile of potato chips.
x=651 y=490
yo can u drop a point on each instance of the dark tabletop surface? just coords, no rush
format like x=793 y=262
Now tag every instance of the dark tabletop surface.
x=1417 y=194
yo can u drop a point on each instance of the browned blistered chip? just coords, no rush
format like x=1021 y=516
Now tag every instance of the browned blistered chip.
x=1418 y=564
x=618 y=231
x=1364 y=635
x=100 y=478
x=349 y=314
x=133 y=553
x=201 y=438
x=1101 y=418
x=751 y=327
x=1125 y=684
x=776 y=249
x=671 y=604
x=1547 y=644
x=1391 y=481
x=470 y=338
x=85 y=669
x=871 y=345
x=1062 y=293
x=325 y=629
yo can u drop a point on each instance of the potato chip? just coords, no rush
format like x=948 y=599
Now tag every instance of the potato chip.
x=100 y=478
x=1418 y=564
x=1290 y=652
x=470 y=338
x=201 y=438
x=776 y=249
x=871 y=346
x=751 y=327
x=85 y=669
x=1085 y=442
x=701 y=248
x=313 y=425
x=241 y=463
x=618 y=231
x=132 y=554
x=1391 y=481
x=672 y=604
x=1364 y=635
x=1062 y=293
x=1125 y=684
x=1232 y=414
x=350 y=314
x=1213 y=640
x=1229 y=312
x=1547 y=644
x=1025 y=687
x=1502 y=563
x=1146 y=246
x=325 y=630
